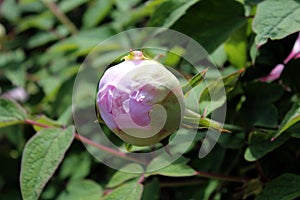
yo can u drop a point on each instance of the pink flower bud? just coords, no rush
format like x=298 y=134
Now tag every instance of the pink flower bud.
x=140 y=100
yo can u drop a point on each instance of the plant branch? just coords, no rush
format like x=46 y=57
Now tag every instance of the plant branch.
x=181 y=183
x=107 y=149
x=60 y=16
x=260 y=171
x=92 y=143
x=204 y=175
x=31 y=122
x=141 y=179
x=127 y=157
x=223 y=177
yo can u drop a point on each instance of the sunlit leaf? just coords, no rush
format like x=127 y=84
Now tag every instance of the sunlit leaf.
x=129 y=191
x=169 y=12
x=291 y=118
x=214 y=95
x=120 y=176
x=45 y=121
x=81 y=190
x=82 y=162
x=97 y=12
x=41 y=157
x=276 y=20
x=179 y=168
x=195 y=80
x=236 y=48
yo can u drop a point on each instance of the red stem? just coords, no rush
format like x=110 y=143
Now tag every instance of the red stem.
x=31 y=122
x=126 y=157
x=107 y=149
x=141 y=179
x=92 y=143
x=223 y=177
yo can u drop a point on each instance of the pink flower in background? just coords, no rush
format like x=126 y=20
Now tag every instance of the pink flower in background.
x=17 y=94
x=140 y=100
x=295 y=53
x=276 y=72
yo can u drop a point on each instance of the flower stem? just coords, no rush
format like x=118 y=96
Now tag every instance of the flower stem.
x=107 y=149
x=223 y=177
x=31 y=122
x=92 y=143
x=181 y=183
x=141 y=179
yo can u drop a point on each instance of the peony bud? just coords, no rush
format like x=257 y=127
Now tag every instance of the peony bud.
x=140 y=100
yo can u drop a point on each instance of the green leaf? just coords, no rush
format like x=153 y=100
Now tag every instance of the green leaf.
x=10 y=113
x=253 y=187
x=276 y=19
x=214 y=22
x=212 y=162
x=128 y=191
x=284 y=187
x=216 y=87
x=177 y=169
x=236 y=48
x=82 y=162
x=290 y=76
x=43 y=21
x=14 y=66
x=173 y=56
x=258 y=109
x=15 y=135
x=128 y=12
x=218 y=56
x=66 y=117
x=232 y=141
x=81 y=190
x=31 y=6
x=195 y=80
x=43 y=38
x=169 y=12
x=6 y=10
x=267 y=117
x=151 y=190
x=291 y=118
x=16 y=56
x=84 y=41
x=67 y=6
x=260 y=144
x=45 y=120
x=253 y=2
x=16 y=73
x=204 y=123
x=96 y=13
x=120 y=176
x=41 y=157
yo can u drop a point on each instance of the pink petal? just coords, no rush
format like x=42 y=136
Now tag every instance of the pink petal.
x=139 y=112
x=274 y=74
x=295 y=51
x=104 y=102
